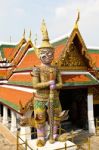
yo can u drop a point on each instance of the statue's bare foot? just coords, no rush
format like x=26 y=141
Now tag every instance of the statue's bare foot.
x=62 y=137
x=52 y=141
x=40 y=143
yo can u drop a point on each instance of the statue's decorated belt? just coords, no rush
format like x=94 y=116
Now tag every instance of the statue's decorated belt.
x=40 y=96
x=44 y=98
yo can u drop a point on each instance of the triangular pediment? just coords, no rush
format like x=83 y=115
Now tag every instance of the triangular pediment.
x=74 y=55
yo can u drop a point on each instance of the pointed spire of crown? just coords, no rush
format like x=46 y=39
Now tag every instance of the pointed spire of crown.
x=45 y=39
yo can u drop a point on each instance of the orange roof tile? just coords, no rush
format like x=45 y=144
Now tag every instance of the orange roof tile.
x=75 y=78
x=95 y=58
x=58 y=51
x=21 y=77
x=29 y=60
x=3 y=72
x=8 y=51
x=14 y=96
x=79 y=80
x=22 y=52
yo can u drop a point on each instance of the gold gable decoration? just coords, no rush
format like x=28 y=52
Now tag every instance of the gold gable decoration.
x=74 y=55
x=72 y=59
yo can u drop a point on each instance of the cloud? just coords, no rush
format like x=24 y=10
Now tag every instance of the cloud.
x=66 y=14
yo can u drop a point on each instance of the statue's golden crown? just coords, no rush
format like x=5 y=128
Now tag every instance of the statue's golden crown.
x=45 y=40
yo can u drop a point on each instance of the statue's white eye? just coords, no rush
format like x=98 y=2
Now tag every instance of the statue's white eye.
x=49 y=53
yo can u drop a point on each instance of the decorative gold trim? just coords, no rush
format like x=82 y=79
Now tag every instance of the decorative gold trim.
x=17 y=59
x=72 y=68
x=84 y=52
x=76 y=22
x=27 y=106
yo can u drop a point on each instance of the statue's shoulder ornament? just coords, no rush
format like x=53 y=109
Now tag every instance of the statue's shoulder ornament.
x=35 y=71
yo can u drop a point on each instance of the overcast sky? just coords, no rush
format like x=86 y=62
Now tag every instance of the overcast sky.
x=60 y=15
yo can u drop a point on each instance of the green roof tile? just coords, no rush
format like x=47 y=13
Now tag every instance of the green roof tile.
x=5 y=46
x=8 y=103
x=96 y=51
x=20 y=83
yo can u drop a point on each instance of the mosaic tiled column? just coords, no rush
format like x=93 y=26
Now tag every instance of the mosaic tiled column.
x=91 y=123
x=5 y=115
x=13 y=121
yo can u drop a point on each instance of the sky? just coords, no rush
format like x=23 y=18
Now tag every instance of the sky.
x=59 y=15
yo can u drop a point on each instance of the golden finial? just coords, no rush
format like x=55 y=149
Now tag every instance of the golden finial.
x=44 y=31
x=24 y=34
x=78 y=17
x=35 y=40
x=30 y=35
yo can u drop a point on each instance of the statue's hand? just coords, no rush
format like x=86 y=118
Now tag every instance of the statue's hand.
x=52 y=84
x=52 y=87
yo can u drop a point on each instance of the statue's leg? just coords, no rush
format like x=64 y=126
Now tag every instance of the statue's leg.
x=39 y=114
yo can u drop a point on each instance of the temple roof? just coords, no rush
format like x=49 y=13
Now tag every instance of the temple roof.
x=28 y=61
x=5 y=73
x=21 y=79
x=6 y=50
x=74 y=79
x=14 y=96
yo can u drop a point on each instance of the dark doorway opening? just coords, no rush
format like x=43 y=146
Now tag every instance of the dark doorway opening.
x=75 y=100
x=1 y=110
x=96 y=110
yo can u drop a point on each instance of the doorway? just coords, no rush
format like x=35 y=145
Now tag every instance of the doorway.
x=96 y=110
x=75 y=100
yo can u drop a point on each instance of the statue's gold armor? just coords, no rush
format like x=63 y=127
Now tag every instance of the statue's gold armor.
x=40 y=80
x=46 y=79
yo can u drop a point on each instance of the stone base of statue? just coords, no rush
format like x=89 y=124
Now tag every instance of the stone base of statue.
x=68 y=145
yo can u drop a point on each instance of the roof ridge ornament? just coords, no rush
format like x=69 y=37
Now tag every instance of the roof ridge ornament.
x=35 y=39
x=30 y=35
x=24 y=34
x=76 y=22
